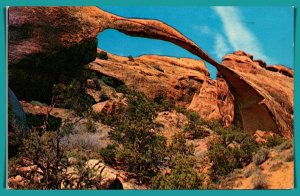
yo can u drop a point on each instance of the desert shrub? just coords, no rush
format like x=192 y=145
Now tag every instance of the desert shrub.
x=102 y=55
x=276 y=166
x=163 y=103
x=73 y=96
x=15 y=138
x=215 y=125
x=181 y=164
x=285 y=145
x=259 y=181
x=261 y=156
x=143 y=158
x=289 y=156
x=181 y=109
x=48 y=161
x=233 y=150
x=90 y=125
x=158 y=68
x=138 y=148
x=275 y=140
x=67 y=129
x=182 y=176
x=104 y=97
x=224 y=160
x=196 y=126
x=251 y=170
x=84 y=140
x=109 y=153
x=179 y=146
x=42 y=150
x=130 y=58
x=35 y=121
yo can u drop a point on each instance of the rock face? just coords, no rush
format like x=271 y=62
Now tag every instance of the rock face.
x=263 y=99
x=281 y=69
x=158 y=77
x=53 y=42
x=214 y=101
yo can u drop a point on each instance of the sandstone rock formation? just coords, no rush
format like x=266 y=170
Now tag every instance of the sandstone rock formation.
x=214 y=101
x=281 y=69
x=183 y=80
x=263 y=99
x=158 y=77
x=69 y=42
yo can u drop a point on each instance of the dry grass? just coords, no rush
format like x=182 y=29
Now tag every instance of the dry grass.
x=285 y=146
x=251 y=170
x=261 y=156
x=259 y=181
x=289 y=156
x=276 y=166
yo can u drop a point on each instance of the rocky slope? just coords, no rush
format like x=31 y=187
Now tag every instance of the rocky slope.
x=275 y=172
x=182 y=80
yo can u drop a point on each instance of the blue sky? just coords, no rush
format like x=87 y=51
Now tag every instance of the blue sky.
x=265 y=32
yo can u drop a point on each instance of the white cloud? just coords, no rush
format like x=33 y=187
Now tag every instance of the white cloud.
x=205 y=30
x=221 y=48
x=238 y=34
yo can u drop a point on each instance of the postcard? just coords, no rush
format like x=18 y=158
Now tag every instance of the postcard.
x=172 y=98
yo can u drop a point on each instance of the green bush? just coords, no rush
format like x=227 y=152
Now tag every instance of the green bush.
x=233 y=150
x=138 y=148
x=196 y=126
x=102 y=55
x=182 y=176
x=73 y=96
x=108 y=154
x=285 y=145
x=35 y=121
x=90 y=125
x=179 y=146
x=144 y=157
x=274 y=140
x=40 y=149
x=104 y=97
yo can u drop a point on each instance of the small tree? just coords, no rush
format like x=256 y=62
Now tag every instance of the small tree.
x=102 y=55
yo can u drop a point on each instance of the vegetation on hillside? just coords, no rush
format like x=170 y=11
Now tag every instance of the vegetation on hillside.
x=136 y=145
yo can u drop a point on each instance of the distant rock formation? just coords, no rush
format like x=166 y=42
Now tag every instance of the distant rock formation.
x=158 y=77
x=52 y=43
